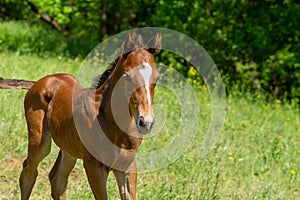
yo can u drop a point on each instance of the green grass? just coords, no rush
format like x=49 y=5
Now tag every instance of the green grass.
x=257 y=156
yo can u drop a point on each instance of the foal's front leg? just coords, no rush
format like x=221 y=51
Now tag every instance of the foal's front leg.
x=97 y=175
x=127 y=182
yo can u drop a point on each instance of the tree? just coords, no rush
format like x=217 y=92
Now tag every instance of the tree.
x=255 y=44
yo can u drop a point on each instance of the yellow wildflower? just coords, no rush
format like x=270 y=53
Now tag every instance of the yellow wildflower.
x=192 y=71
x=292 y=172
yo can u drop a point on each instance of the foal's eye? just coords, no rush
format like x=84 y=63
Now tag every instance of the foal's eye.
x=127 y=77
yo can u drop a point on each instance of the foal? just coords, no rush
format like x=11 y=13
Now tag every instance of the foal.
x=119 y=111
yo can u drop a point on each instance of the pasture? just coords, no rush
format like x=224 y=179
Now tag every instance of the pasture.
x=256 y=157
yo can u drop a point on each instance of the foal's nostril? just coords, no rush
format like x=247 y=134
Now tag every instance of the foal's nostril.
x=142 y=121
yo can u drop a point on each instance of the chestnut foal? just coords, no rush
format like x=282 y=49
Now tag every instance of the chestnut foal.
x=57 y=107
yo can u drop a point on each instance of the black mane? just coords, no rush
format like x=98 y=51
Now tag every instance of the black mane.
x=100 y=79
x=127 y=48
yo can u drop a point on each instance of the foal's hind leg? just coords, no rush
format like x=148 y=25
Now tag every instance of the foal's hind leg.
x=39 y=144
x=59 y=175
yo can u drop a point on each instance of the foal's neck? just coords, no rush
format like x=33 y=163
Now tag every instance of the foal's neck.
x=108 y=92
x=114 y=109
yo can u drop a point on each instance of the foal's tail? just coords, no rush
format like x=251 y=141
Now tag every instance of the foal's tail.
x=15 y=84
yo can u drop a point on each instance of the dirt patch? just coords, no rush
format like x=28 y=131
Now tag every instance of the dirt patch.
x=13 y=163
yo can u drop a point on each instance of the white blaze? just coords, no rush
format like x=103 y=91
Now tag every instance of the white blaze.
x=146 y=72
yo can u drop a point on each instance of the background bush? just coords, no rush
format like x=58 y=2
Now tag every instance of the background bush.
x=25 y=39
x=255 y=44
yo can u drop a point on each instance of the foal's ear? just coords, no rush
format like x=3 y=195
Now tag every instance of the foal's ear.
x=133 y=41
x=154 y=44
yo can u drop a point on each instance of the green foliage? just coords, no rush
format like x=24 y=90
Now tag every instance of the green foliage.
x=283 y=72
x=255 y=44
x=14 y=10
x=25 y=38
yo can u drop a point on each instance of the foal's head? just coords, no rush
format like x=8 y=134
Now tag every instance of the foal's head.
x=140 y=76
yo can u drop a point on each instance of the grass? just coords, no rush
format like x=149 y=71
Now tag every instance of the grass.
x=257 y=156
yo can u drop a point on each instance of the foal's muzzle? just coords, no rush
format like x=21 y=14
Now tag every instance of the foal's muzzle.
x=145 y=124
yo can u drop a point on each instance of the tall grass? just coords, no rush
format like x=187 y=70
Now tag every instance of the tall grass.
x=257 y=156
